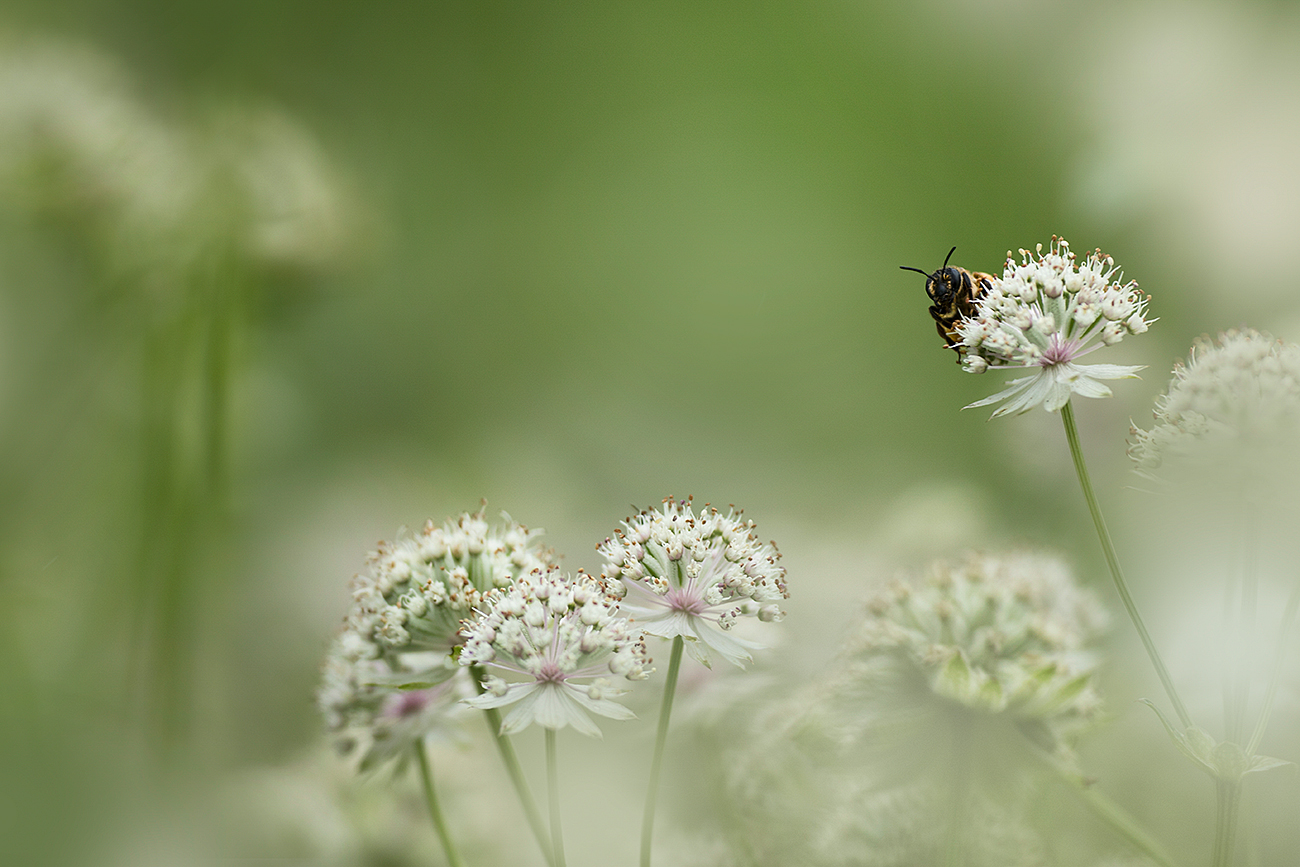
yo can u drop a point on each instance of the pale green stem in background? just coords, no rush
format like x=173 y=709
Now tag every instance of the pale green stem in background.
x=1112 y=561
x=656 y=764
x=1228 y=800
x=435 y=812
x=1241 y=633
x=1113 y=814
x=1288 y=618
x=959 y=806
x=511 y=761
x=553 y=795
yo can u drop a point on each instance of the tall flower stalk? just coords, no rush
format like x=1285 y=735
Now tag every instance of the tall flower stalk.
x=690 y=578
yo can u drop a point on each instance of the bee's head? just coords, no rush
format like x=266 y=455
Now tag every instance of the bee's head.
x=943 y=284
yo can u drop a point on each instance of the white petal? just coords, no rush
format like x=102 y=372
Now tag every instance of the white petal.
x=1110 y=371
x=603 y=706
x=733 y=648
x=522 y=714
x=1014 y=387
x=1086 y=386
x=514 y=692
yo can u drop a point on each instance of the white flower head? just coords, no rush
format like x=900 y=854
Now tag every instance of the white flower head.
x=1233 y=406
x=404 y=622
x=1044 y=314
x=564 y=637
x=695 y=575
x=376 y=721
x=418 y=589
x=1002 y=634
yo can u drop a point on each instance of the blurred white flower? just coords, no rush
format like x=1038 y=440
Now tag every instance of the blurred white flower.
x=694 y=576
x=1044 y=314
x=1005 y=634
x=564 y=636
x=1234 y=406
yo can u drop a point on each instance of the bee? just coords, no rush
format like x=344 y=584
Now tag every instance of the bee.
x=953 y=291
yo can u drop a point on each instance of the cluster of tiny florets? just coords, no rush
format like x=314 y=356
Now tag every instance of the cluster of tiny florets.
x=1236 y=398
x=564 y=637
x=377 y=721
x=694 y=574
x=406 y=613
x=997 y=634
x=1047 y=308
x=419 y=588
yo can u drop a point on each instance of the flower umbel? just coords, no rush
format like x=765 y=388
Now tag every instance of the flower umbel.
x=695 y=575
x=1044 y=314
x=403 y=623
x=996 y=634
x=565 y=636
x=1234 y=405
x=417 y=590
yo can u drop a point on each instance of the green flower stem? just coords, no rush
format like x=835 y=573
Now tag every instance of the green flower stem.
x=553 y=796
x=511 y=761
x=1112 y=561
x=435 y=812
x=1288 y=618
x=1228 y=797
x=1113 y=814
x=661 y=738
x=959 y=807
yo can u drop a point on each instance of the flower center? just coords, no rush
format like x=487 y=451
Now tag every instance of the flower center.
x=549 y=672
x=684 y=599
x=1059 y=351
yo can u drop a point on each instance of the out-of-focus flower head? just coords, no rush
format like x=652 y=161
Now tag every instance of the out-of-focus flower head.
x=1000 y=635
x=695 y=575
x=1234 y=407
x=562 y=636
x=1043 y=315
x=374 y=720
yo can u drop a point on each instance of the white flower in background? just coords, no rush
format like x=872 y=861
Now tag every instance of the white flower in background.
x=377 y=721
x=996 y=634
x=1234 y=403
x=694 y=576
x=1043 y=315
x=564 y=637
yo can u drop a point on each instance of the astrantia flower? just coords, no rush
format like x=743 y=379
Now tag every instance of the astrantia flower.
x=404 y=621
x=377 y=721
x=694 y=576
x=1235 y=404
x=996 y=634
x=563 y=636
x=1043 y=315
x=410 y=602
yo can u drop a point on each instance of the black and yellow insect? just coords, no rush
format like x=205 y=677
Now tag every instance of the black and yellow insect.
x=953 y=291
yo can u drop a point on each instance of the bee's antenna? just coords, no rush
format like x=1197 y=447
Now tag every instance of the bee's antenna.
x=949 y=256
x=917 y=270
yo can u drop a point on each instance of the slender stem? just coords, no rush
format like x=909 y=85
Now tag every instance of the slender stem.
x=1242 y=639
x=1288 y=617
x=1112 y=561
x=435 y=812
x=553 y=796
x=661 y=738
x=1113 y=814
x=959 y=806
x=511 y=761
x=1228 y=796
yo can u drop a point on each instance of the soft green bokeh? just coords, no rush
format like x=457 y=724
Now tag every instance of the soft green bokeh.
x=593 y=254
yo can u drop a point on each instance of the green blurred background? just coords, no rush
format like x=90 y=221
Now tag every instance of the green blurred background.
x=583 y=256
